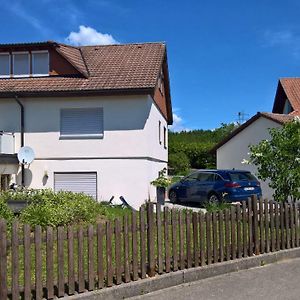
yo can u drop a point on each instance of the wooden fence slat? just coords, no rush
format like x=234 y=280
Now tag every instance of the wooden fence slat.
x=287 y=224
x=135 y=274
x=245 y=231
x=15 y=260
x=167 y=243
x=227 y=235
x=27 y=263
x=80 y=260
x=195 y=238
x=297 y=224
x=143 y=243
x=261 y=226
x=109 y=267
x=118 y=250
x=60 y=261
x=239 y=231
x=159 y=239
x=181 y=241
x=221 y=235
x=100 y=260
x=233 y=232
x=49 y=263
x=174 y=239
x=272 y=232
x=3 y=260
x=91 y=273
x=150 y=240
x=292 y=222
x=282 y=234
x=267 y=229
x=38 y=262
x=202 y=239
x=277 y=226
x=215 y=237
x=71 y=270
x=208 y=238
x=255 y=225
x=250 y=227
x=188 y=240
x=126 y=249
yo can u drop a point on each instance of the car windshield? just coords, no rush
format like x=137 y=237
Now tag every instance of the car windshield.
x=241 y=176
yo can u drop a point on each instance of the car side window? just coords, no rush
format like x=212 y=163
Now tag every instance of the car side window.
x=192 y=177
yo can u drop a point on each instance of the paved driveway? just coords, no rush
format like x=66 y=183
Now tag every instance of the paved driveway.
x=279 y=281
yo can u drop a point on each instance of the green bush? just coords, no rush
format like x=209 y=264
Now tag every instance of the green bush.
x=179 y=163
x=5 y=212
x=47 y=208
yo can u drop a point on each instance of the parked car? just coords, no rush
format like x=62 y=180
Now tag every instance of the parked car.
x=205 y=186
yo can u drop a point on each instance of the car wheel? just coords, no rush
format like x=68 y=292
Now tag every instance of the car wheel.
x=213 y=199
x=173 y=197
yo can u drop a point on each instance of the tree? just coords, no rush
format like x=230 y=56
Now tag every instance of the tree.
x=179 y=163
x=278 y=160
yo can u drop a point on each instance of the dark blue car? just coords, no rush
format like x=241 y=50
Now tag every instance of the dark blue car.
x=214 y=186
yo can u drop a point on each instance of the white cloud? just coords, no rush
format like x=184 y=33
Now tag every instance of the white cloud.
x=90 y=36
x=282 y=37
x=178 y=124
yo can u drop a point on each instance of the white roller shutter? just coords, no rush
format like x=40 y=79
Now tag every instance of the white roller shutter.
x=77 y=183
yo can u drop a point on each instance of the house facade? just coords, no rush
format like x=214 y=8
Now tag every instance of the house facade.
x=97 y=121
x=235 y=148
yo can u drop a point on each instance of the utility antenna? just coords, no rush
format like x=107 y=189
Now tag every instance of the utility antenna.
x=242 y=117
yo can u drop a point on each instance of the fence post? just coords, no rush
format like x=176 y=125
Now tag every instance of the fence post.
x=150 y=235
x=3 y=260
x=255 y=224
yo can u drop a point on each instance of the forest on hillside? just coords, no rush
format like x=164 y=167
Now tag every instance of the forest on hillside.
x=190 y=149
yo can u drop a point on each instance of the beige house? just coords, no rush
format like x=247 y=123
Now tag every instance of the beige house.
x=235 y=148
x=95 y=116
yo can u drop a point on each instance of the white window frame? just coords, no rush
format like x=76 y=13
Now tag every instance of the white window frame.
x=13 y=71
x=9 y=65
x=165 y=137
x=81 y=136
x=32 y=63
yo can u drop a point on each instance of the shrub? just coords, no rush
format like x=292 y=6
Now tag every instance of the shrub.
x=47 y=208
x=179 y=163
x=5 y=212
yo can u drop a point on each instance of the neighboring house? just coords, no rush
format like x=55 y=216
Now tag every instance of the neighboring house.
x=95 y=116
x=234 y=148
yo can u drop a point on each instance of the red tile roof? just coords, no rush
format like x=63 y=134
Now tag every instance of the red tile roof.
x=111 y=69
x=278 y=118
x=287 y=88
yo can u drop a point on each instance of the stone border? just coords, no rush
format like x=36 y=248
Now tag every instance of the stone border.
x=148 y=285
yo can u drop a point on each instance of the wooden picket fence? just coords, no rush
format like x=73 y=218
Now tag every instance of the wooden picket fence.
x=38 y=263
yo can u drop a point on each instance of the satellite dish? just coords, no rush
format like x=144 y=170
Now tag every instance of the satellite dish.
x=26 y=155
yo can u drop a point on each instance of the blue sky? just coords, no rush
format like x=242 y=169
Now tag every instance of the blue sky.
x=224 y=56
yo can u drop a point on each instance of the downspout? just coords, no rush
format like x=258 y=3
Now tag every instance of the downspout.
x=22 y=137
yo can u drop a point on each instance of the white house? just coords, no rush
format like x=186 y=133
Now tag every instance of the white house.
x=95 y=116
x=235 y=148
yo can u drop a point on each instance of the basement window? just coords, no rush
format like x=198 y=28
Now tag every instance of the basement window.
x=21 y=64
x=4 y=65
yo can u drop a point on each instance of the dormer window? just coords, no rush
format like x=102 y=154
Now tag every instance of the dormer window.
x=4 y=65
x=24 y=64
x=40 y=63
x=21 y=64
x=287 y=107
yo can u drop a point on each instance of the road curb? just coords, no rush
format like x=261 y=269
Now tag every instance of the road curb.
x=145 y=286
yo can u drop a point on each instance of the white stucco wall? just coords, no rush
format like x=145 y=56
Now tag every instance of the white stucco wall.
x=235 y=150
x=127 y=158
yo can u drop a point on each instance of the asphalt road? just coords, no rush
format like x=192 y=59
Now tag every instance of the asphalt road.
x=279 y=281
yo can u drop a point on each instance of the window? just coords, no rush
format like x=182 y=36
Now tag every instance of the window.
x=287 y=107
x=159 y=132
x=81 y=123
x=4 y=65
x=40 y=63
x=192 y=177
x=21 y=64
x=165 y=137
